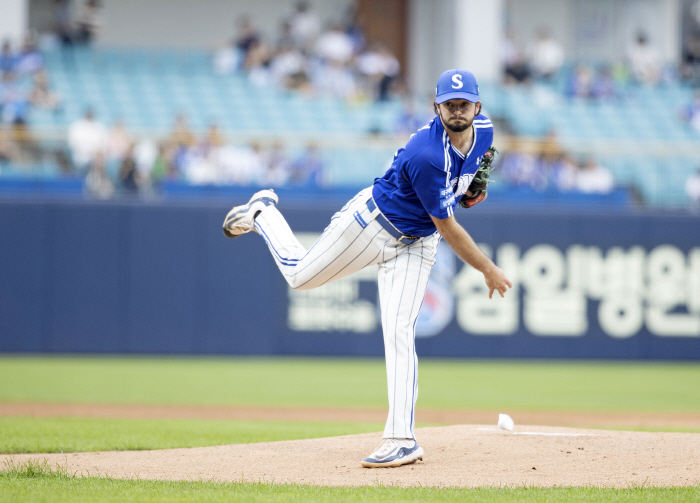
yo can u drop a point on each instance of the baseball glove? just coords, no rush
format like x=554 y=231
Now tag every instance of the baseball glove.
x=481 y=180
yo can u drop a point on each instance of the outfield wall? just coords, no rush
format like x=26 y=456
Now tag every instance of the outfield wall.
x=85 y=277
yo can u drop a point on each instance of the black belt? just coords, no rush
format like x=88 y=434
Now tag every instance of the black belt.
x=395 y=233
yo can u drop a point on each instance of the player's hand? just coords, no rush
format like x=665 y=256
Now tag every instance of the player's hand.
x=496 y=280
x=471 y=199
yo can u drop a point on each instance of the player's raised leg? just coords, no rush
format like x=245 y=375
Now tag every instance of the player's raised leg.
x=352 y=241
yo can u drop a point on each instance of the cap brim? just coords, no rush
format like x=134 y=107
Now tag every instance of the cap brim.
x=457 y=96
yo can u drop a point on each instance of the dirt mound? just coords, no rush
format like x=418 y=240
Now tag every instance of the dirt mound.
x=462 y=455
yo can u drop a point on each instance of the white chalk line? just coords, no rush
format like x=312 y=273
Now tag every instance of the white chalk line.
x=546 y=434
x=542 y=433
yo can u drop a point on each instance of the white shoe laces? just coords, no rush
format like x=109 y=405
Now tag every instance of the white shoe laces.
x=389 y=444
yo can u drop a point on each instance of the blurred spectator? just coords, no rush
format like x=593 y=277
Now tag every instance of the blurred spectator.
x=247 y=38
x=521 y=168
x=63 y=161
x=690 y=66
x=88 y=23
x=242 y=165
x=201 y=166
x=14 y=102
x=227 y=60
x=29 y=60
x=179 y=157
x=692 y=112
x=379 y=68
x=203 y=161
x=160 y=168
x=353 y=27
x=604 y=85
x=181 y=135
x=87 y=139
x=41 y=95
x=546 y=55
x=335 y=45
x=539 y=166
x=581 y=82
x=335 y=79
x=288 y=67
x=585 y=83
x=692 y=190
x=555 y=165
x=8 y=149
x=8 y=61
x=146 y=152
x=304 y=26
x=97 y=182
x=61 y=21
x=592 y=178
x=309 y=168
x=515 y=67
x=14 y=111
x=213 y=137
x=257 y=64
x=563 y=173
x=644 y=60
x=128 y=174
x=232 y=55
x=119 y=143
x=299 y=82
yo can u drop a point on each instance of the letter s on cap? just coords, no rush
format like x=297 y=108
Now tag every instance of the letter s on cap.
x=457 y=79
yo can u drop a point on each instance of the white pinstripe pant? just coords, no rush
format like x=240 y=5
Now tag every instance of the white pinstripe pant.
x=352 y=241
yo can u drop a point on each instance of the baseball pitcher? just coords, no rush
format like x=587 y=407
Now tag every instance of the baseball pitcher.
x=396 y=224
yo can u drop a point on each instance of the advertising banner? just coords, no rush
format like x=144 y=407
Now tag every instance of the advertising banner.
x=159 y=278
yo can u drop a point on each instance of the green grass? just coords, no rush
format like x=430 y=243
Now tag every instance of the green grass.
x=37 y=481
x=506 y=385
x=454 y=384
x=72 y=434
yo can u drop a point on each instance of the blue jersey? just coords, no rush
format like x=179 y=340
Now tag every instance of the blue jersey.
x=429 y=176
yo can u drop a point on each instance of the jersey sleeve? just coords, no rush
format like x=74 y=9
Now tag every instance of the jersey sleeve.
x=431 y=183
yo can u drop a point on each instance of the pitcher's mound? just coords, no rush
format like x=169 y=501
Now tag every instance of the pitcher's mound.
x=463 y=455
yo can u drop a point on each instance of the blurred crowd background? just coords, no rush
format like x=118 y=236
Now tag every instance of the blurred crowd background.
x=319 y=95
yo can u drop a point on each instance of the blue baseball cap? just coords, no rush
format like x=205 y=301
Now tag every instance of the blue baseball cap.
x=457 y=84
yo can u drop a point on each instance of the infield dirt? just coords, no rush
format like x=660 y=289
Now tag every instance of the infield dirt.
x=579 y=419
x=455 y=456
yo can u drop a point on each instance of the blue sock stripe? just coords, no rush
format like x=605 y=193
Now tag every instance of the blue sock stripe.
x=274 y=249
x=282 y=260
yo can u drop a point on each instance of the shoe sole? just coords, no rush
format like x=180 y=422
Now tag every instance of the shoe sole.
x=231 y=217
x=391 y=464
x=408 y=460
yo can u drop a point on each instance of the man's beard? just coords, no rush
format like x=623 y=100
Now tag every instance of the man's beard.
x=458 y=128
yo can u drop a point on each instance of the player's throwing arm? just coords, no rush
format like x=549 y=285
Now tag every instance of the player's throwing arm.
x=464 y=246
